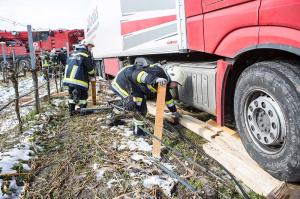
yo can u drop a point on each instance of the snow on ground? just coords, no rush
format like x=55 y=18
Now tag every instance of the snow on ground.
x=19 y=154
x=140 y=151
x=25 y=85
x=165 y=182
x=8 y=119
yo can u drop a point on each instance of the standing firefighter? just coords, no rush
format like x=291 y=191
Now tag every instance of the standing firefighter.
x=78 y=69
x=45 y=60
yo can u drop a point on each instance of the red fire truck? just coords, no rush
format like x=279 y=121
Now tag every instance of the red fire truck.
x=43 y=40
x=241 y=57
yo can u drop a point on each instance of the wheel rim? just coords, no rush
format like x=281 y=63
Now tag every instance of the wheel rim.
x=23 y=64
x=265 y=121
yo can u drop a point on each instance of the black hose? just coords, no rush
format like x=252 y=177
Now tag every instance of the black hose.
x=177 y=153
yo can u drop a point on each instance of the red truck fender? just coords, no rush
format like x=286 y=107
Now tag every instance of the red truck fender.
x=223 y=68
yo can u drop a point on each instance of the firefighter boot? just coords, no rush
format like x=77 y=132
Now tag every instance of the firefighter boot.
x=72 y=109
x=82 y=106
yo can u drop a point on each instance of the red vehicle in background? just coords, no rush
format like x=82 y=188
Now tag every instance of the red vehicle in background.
x=43 y=41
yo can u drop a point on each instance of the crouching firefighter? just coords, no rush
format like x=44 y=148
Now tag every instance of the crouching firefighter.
x=135 y=84
x=148 y=79
x=78 y=69
x=123 y=86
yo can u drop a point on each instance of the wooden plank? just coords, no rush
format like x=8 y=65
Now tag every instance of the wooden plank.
x=60 y=94
x=159 y=119
x=291 y=191
x=238 y=162
x=93 y=85
x=226 y=147
x=224 y=128
x=193 y=124
x=45 y=97
x=197 y=127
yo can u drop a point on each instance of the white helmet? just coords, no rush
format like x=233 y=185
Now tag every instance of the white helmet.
x=87 y=42
x=176 y=75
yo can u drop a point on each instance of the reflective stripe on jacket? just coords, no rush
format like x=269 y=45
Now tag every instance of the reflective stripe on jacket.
x=79 y=67
x=145 y=78
x=122 y=82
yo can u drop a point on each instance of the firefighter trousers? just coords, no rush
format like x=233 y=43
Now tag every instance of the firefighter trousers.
x=76 y=96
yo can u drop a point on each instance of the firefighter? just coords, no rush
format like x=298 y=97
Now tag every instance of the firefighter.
x=78 y=69
x=45 y=57
x=122 y=85
x=134 y=84
x=147 y=80
x=62 y=56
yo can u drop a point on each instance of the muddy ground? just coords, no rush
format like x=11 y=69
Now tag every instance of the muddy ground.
x=83 y=157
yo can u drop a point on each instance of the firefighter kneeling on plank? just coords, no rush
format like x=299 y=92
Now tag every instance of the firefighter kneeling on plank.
x=78 y=69
x=134 y=84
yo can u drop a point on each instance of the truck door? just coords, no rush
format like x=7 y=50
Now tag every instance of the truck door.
x=210 y=5
x=232 y=21
x=194 y=24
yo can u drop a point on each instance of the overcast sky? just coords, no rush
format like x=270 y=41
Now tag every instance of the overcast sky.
x=53 y=14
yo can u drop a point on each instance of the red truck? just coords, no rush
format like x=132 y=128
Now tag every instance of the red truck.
x=241 y=58
x=43 y=40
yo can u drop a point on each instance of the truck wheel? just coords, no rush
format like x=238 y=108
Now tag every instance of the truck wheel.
x=267 y=114
x=143 y=61
x=24 y=64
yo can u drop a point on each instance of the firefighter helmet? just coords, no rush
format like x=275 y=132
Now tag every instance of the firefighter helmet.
x=87 y=42
x=176 y=75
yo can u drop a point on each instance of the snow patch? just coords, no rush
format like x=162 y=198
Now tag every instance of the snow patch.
x=166 y=183
x=139 y=144
x=138 y=157
x=100 y=172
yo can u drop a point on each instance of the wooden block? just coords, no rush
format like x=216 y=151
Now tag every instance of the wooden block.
x=224 y=128
x=159 y=119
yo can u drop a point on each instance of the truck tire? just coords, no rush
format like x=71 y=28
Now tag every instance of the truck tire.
x=267 y=114
x=24 y=64
x=143 y=61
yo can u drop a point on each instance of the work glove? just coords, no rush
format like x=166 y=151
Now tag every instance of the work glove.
x=177 y=117
x=161 y=81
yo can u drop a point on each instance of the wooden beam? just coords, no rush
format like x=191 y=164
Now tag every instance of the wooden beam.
x=225 y=146
x=93 y=85
x=159 y=119
x=197 y=126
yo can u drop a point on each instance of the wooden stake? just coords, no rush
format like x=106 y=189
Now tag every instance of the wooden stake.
x=159 y=118
x=93 y=85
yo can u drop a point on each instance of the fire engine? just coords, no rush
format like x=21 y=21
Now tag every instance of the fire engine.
x=43 y=40
x=241 y=58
